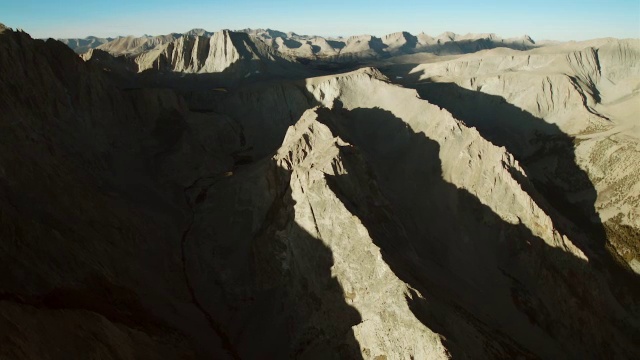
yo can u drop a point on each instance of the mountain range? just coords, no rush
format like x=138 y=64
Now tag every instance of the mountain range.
x=259 y=194
x=317 y=47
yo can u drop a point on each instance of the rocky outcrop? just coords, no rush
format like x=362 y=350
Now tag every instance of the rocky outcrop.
x=193 y=54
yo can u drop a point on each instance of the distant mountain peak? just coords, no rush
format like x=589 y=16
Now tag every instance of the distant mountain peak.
x=198 y=32
x=528 y=38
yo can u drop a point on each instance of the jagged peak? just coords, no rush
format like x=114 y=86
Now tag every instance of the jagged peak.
x=363 y=37
x=234 y=35
x=309 y=140
x=199 y=32
x=95 y=53
x=480 y=36
x=398 y=34
x=448 y=35
x=369 y=70
x=267 y=33
x=528 y=38
x=372 y=71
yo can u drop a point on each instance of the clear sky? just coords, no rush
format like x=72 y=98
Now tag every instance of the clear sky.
x=543 y=19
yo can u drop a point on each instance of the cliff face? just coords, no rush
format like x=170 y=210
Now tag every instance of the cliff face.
x=194 y=54
x=337 y=217
x=224 y=51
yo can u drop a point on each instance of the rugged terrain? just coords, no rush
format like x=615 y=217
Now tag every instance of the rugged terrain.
x=157 y=202
x=318 y=48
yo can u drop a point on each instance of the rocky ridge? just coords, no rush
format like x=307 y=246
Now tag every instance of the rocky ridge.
x=581 y=95
x=235 y=54
x=354 y=48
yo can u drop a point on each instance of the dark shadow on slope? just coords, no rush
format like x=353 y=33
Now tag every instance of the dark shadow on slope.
x=315 y=49
x=412 y=41
x=337 y=45
x=238 y=74
x=377 y=45
x=128 y=234
x=380 y=51
x=291 y=44
x=257 y=62
x=491 y=288
x=274 y=288
x=471 y=46
x=548 y=157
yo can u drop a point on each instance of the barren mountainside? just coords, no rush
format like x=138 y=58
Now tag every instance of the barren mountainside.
x=210 y=195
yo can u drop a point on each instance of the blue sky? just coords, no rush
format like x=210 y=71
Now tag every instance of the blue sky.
x=545 y=19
